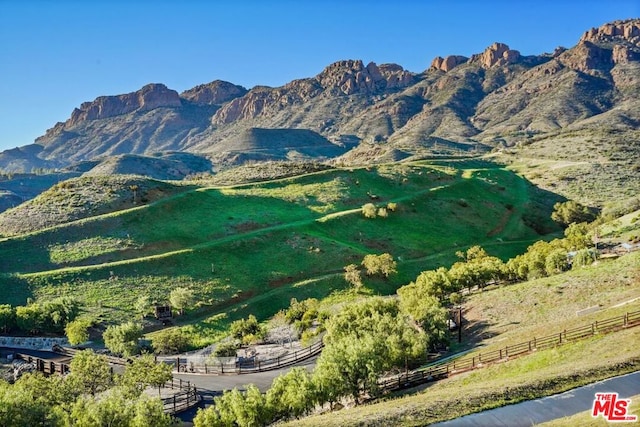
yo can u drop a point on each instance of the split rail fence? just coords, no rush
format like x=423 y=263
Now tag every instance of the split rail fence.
x=186 y=397
x=444 y=370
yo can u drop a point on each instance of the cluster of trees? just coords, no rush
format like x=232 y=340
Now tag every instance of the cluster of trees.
x=89 y=396
x=369 y=210
x=477 y=268
x=383 y=265
x=37 y=318
x=362 y=342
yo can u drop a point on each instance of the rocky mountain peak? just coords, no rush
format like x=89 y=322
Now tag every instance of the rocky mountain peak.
x=628 y=30
x=448 y=63
x=496 y=55
x=149 y=97
x=214 y=93
x=351 y=76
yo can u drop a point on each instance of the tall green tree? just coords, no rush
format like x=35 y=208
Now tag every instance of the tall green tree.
x=91 y=372
x=7 y=318
x=123 y=339
x=77 y=331
x=363 y=341
x=292 y=394
x=144 y=372
x=181 y=298
x=383 y=264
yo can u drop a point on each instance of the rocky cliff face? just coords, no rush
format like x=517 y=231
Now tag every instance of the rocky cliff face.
x=338 y=79
x=148 y=98
x=215 y=93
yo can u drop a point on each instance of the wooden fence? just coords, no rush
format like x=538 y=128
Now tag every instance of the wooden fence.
x=46 y=366
x=186 y=397
x=247 y=366
x=444 y=370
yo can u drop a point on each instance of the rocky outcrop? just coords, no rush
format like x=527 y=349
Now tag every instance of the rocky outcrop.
x=627 y=29
x=150 y=97
x=587 y=57
x=448 y=63
x=341 y=78
x=350 y=77
x=497 y=54
x=215 y=93
x=624 y=54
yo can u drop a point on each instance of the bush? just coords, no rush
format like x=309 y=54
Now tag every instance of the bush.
x=369 y=210
x=170 y=341
x=226 y=349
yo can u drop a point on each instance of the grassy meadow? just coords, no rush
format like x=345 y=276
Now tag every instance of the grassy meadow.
x=248 y=249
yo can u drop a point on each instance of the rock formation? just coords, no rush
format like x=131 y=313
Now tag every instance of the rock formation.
x=448 y=63
x=148 y=98
x=497 y=54
x=215 y=93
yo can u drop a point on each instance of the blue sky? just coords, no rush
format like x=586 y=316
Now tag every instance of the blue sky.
x=54 y=55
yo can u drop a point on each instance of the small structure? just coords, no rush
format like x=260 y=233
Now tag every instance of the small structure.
x=163 y=313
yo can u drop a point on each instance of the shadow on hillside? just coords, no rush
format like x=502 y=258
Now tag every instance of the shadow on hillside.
x=14 y=290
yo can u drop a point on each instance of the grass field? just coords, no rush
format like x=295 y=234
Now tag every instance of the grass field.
x=511 y=319
x=284 y=238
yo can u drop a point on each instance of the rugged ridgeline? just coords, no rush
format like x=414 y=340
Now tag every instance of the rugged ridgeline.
x=586 y=98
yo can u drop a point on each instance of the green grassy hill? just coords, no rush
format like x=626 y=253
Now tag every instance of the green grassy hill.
x=241 y=246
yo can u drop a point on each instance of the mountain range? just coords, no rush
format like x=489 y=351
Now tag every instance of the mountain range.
x=579 y=103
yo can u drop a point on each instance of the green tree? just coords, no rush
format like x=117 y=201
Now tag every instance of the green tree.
x=571 y=211
x=369 y=210
x=7 y=318
x=247 y=330
x=556 y=262
x=170 y=341
x=123 y=339
x=77 y=331
x=30 y=318
x=383 y=264
x=353 y=276
x=426 y=311
x=363 y=341
x=583 y=258
x=181 y=298
x=234 y=408
x=144 y=372
x=91 y=372
x=577 y=236
x=21 y=408
x=292 y=394
x=142 y=306
x=116 y=409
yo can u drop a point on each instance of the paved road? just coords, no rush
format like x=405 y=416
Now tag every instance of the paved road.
x=537 y=411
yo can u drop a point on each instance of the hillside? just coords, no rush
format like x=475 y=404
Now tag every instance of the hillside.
x=578 y=104
x=278 y=239
x=512 y=314
x=83 y=197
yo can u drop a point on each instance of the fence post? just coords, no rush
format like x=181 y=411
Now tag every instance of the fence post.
x=560 y=338
x=180 y=386
x=500 y=353
x=626 y=319
x=174 y=403
x=205 y=369
x=473 y=362
x=593 y=329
